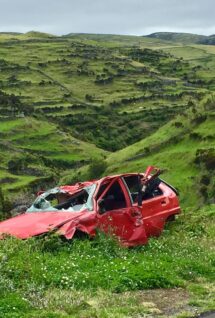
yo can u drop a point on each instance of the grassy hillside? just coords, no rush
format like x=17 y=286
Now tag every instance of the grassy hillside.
x=125 y=102
x=35 y=153
x=107 y=90
x=184 y=147
x=120 y=81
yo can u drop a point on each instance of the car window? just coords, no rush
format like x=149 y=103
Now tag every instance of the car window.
x=101 y=189
x=59 y=200
x=152 y=190
x=132 y=183
x=113 y=199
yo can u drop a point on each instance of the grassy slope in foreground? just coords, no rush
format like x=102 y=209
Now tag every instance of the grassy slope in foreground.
x=81 y=279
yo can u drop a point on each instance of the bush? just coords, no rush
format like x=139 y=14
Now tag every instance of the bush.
x=97 y=168
x=5 y=205
x=206 y=157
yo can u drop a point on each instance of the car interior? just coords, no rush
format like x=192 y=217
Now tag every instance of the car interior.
x=113 y=199
x=133 y=184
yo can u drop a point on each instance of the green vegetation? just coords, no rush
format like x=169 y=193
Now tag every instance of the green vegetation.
x=110 y=91
x=35 y=153
x=81 y=106
x=63 y=279
x=184 y=148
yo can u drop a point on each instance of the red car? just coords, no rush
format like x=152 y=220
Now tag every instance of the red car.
x=132 y=206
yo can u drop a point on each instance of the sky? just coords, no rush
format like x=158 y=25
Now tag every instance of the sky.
x=133 y=17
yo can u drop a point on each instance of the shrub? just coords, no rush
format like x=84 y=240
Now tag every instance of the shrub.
x=97 y=168
x=5 y=205
x=206 y=157
x=178 y=124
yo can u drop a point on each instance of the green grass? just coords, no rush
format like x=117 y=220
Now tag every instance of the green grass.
x=42 y=146
x=182 y=257
x=189 y=52
x=173 y=147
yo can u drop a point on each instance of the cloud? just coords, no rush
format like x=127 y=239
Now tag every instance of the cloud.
x=107 y=16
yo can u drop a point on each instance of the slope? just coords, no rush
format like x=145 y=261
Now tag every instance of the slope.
x=122 y=86
x=185 y=147
x=34 y=153
x=107 y=90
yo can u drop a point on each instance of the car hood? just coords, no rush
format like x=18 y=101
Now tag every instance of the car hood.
x=31 y=224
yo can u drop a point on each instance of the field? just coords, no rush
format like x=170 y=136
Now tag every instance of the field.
x=68 y=103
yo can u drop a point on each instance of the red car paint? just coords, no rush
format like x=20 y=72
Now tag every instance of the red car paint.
x=115 y=207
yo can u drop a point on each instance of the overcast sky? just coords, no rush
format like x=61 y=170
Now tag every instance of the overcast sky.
x=138 y=17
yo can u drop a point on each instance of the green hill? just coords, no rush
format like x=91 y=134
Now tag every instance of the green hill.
x=82 y=100
x=36 y=34
x=107 y=90
x=185 y=38
x=185 y=148
x=35 y=153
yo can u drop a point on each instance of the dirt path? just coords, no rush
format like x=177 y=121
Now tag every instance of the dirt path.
x=207 y=315
x=170 y=303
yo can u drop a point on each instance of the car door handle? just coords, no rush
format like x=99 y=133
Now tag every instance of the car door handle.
x=163 y=202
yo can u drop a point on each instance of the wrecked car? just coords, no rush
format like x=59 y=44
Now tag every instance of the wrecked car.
x=131 y=206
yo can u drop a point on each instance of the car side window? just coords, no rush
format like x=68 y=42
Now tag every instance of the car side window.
x=132 y=183
x=152 y=190
x=113 y=199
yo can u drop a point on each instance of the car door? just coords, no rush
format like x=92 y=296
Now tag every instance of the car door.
x=154 y=206
x=117 y=216
x=154 y=214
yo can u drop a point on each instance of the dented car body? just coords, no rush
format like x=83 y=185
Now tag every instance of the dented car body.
x=131 y=206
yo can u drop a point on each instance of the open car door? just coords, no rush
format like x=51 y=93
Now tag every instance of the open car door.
x=117 y=216
x=147 y=191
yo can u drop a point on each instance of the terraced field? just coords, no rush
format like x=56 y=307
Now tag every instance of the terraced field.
x=34 y=153
x=110 y=91
x=60 y=95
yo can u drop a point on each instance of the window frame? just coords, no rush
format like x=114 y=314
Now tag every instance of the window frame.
x=124 y=191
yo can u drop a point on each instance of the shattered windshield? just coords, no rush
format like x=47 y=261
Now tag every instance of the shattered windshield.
x=59 y=200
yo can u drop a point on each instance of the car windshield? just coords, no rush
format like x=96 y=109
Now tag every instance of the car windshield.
x=59 y=200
